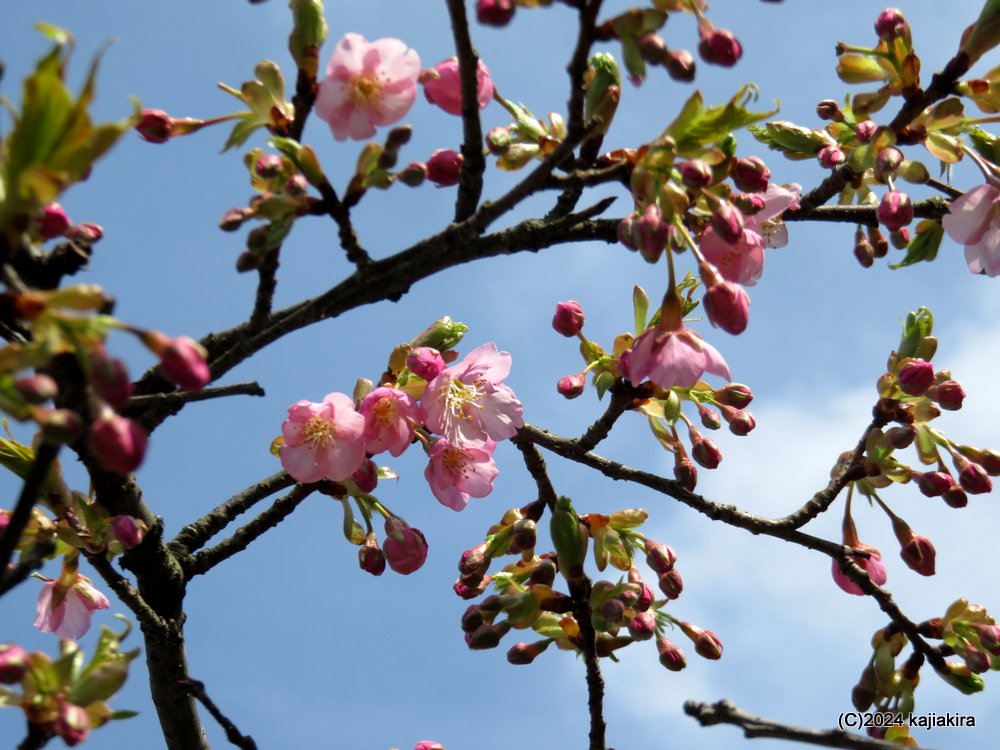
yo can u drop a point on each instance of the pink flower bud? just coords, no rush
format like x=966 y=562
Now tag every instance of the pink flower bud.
x=660 y=557
x=428 y=745
x=624 y=231
x=972 y=476
x=948 y=394
x=695 y=173
x=127 y=530
x=955 y=497
x=475 y=561
x=887 y=162
x=895 y=211
x=686 y=473
x=890 y=24
x=741 y=422
x=13 y=663
x=710 y=419
x=495 y=12
x=680 y=65
x=977 y=661
x=736 y=395
x=915 y=377
x=52 y=221
x=525 y=653
x=872 y=565
x=989 y=637
x=471 y=591
x=719 y=46
x=900 y=436
x=370 y=557
x=864 y=253
x=727 y=221
x=110 y=378
x=649 y=233
x=366 y=478
x=865 y=130
x=831 y=156
x=642 y=627
x=705 y=452
x=87 y=232
x=37 y=388
x=900 y=239
x=425 y=362
x=571 y=386
x=989 y=459
x=652 y=48
x=918 y=554
x=414 y=174
x=671 y=655
x=670 y=583
x=268 y=166
x=405 y=548
x=72 y=723
x=119 y=444
x=443 y=86
x=183 y=361
x=828 y=109
x=155 y=126
x=60 y=425
x=934 y=483
x=569 y=318
x=751 y=174
x=727 y=306
x=444 y=167
x=707 y=644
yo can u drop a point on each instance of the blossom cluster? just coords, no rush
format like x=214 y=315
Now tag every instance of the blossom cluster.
x=459 y=414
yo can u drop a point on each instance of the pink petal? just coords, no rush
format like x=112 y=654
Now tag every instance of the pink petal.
x=968 y=217
x=984 y=256
x=348 y=55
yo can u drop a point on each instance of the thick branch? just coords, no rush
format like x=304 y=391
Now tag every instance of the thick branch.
x=243 y=536
x=725 y=712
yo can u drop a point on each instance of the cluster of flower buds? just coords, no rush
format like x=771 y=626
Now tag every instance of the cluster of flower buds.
x=524 y=139
x=52 y=222
x=59 y=701
x=886 y=688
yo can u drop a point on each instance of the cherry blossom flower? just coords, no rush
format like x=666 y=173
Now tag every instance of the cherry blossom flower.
x=443 y=87
x=323 y=441
x=743 y=261
x=67 y=611
x=973 y=220
x=405 y=548
x=456 y=473
x=389 y=416
x=873 y=566
x=672 y=358
x=368 y=84
x=467 y=402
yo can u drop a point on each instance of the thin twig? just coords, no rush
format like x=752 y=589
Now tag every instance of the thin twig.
x=535 y=464
x=197 y=689
x=197 y=533
x=725 y=712
x=342 y=215
x=241 y=539
x=129 y=596
x=267 y=283
x=470 y=186
x=622 y=397
x=35 y=559
x=45 y=456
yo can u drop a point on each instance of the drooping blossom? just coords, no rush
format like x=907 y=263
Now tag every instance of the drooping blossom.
x=973 y=220
x=468 y=404
x=872 y=565
x=389 y=418
x=367 y=84
x=443 y=86
x=66 y=611
x=743 y=260
x=672 y=358
x=405 y=548
x=324 y=440
x=456 y=473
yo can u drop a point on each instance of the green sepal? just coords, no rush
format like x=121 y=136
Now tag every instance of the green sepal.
x=602 y=382
x=918 y=324
x=923 y=245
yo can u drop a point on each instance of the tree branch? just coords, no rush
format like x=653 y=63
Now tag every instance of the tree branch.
x=470 y=186
x=197 y=689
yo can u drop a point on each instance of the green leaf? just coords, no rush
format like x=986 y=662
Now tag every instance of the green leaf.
x=697 y=127
x=918 y=324
x=947 y=148
x=923 y=245
x=245 y=126
x=640 y=308
x=122 y=714
x=986 y=144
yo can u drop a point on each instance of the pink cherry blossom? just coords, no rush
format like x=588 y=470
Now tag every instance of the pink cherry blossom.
x=467 y=402
x=456 y=473
x=67 y=612
x=323 y=441
x=443 y=87
x=672 y=358
x=405 y=548
x=973 y=220
x=389 y=417
x=873 y=566
x=368 y=84
x=743 y=261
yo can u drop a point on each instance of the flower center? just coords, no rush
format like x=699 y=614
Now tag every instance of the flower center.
x=366 y=90
x=768 y=229
x=461 y=395
x=318 y=432
x=455 y=461
x=384 y=411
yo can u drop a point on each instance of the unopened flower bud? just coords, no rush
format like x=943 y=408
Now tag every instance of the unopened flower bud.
x=977 y=661
x=705 y=452
x=895 y=210
x=727 y=222
x=831 y=156
x=671 y=655
x=425 y=362
x=706 y=643
x=405 y=548
x=127 y=530
x=414 y=174
x=652 y=48
x=649 y=233
x=890 y=24
x=184 y=363
x=748 y=203
x=624 y=231
x=695 y=173
x=60 y=425
x=989 y=637
x=471 y=590
x=119 y=444
x=900 y=239
x=498 y=140
x=972 y=476
x=934 y=483
x=72 y=723
x=525 y=536
x=828 y=109
x=52 y=221
x=544 y=573
x=751 y=174
x=571 y=386
x=37 y=388
x=268 y=166
x=444 y=167
x=727 y=306
x=569 y=318
x=915 y=377
x=989 y=459
x=900 y=436
x=475 y=561
x=670 y=583
x=741 y=422
x=525 y=653
x=686 y=473
x=947 y=394
x=880 y=245
x=495 y=12
x=710 y=419
x=864 y=253
x=919 y=554
x=487 y=636
x=887 y=162
x=370 y=557
x=955 y=497
x=719 y=46
x=87 y=232
x=660 y=557
x=865 y=130
x=13 y=663
x=155 y=126
x=642 y=627
x=366 y=478
x=680 y=65
x=863 y=694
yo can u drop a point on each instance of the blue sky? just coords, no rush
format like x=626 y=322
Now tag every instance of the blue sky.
x=301 y=648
